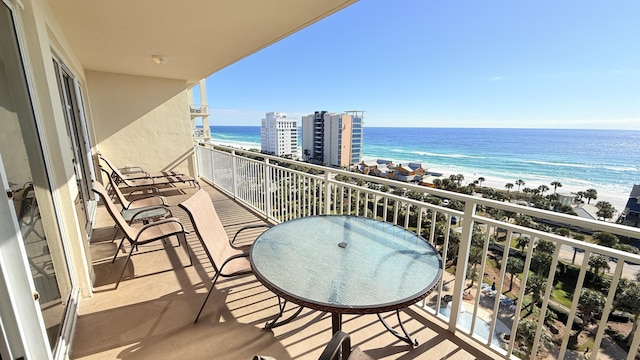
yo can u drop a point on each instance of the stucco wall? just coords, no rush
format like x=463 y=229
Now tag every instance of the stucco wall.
x=141 y=121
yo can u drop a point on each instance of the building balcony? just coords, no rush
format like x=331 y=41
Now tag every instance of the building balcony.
x=151 y=314
x=198 y=110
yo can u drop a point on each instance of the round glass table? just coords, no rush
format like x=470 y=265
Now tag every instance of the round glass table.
x=345 y=265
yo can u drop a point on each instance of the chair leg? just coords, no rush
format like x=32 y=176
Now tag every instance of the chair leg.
x=186 y=246
x=124 y=268
x=213 y=283
x=118 y=250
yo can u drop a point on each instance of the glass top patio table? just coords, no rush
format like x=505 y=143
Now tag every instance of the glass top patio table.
x=345 y=264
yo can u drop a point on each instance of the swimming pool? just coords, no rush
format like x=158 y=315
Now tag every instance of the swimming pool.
x=482 y=327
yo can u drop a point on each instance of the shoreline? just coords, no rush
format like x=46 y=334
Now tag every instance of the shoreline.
x=618 y=200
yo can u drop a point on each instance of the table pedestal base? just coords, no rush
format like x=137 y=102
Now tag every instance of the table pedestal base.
x=406 y=338
x=275 y=323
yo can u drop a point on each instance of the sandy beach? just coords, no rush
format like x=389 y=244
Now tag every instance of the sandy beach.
x=618 y=200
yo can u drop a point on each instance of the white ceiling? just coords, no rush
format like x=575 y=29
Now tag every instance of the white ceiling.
x=198 y=37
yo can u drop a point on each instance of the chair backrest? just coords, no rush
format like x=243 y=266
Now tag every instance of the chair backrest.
x=116 y=189
x=114 y=170
x=208 y=227
x=129 y=232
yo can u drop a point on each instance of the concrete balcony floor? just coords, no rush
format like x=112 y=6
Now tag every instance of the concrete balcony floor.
x=150 y=315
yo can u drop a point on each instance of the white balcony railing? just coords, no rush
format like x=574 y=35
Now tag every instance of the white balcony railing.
x=198 y=110
x=282 y=190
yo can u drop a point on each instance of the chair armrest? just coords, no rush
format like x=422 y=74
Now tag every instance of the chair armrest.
x=149 y=208
x=232 y=241
x=331 y=350
x=160 y=222
x=132 y=170
x=162 y=199
x=153 y=188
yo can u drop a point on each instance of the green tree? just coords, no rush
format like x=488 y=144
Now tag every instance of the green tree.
x=519 y=183
x=590 y=304
x=578 y=237
x=526 y=335
x=605 y=210
x=472 y=274
x=628 y=301
x=522 y=242
x=515 y=266
x=509 y=186
x=591 y=194
x=556 y=185
x=536 y=286
x=597 y=263
x=543 y=189
x=481 y=180
x=606 y=239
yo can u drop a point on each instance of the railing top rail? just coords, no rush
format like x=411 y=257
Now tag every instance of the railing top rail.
x=595 y=225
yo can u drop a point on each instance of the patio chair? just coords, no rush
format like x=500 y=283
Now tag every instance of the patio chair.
x=146 y=234
x=136 y=172
x=227 y=259
x=147 y=180
x=339 y=341
x=143 y=208
x=136 y=202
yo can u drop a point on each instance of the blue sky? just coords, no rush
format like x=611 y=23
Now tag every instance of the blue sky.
x=527 y=64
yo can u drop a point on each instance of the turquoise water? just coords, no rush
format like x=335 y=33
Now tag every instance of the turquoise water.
x=606 y=160
x=482 y=327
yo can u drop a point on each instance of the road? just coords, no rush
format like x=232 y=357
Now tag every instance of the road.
x=629 y=271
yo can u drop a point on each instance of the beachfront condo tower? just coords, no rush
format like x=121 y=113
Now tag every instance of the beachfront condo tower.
x=332 y=139
x=279 y=135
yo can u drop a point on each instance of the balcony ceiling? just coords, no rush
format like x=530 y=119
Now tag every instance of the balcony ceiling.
x=198 y=37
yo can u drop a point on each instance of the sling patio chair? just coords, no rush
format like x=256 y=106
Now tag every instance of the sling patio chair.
x=136 y=172
x=146 y=234
x=143 y=208
x=227 y=259
x=147 y=180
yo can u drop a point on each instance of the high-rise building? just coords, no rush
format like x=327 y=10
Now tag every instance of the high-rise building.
x=332 y=139
x=279 y=135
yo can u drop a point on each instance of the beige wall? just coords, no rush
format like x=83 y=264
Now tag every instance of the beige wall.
x=141 y=121
x=347 y=128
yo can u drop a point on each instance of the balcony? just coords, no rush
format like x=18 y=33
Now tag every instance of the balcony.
x=152 y=314
x=198 y=110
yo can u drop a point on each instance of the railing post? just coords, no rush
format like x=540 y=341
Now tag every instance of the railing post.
x=462 y=263
x=267 y=188
x=327 y=192
x=234 y=169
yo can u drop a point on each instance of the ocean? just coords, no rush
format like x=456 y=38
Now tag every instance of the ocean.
x=605 y=160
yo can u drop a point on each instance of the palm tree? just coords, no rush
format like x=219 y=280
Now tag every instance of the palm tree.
x=481 y=180
x=515 y=265
x=555 y=184
x=591 y=194
x=579 y=237
x=542 y=189
x=519 y=182
x=459 y=178
x=509 y=186
x=522 y=242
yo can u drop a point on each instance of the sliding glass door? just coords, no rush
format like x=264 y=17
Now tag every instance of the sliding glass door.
x=37 y=285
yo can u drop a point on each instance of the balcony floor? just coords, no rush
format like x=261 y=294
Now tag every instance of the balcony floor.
x=151 y=315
